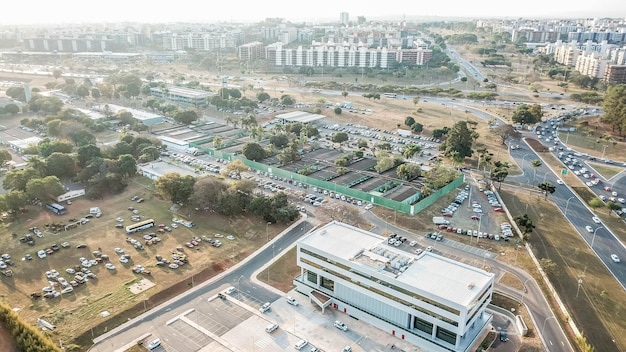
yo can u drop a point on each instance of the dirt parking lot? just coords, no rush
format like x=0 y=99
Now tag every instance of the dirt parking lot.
x=81 y=309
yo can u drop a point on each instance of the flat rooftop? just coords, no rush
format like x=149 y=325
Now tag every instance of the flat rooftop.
x=442 y=277
x=137 y=114
x=299 y=116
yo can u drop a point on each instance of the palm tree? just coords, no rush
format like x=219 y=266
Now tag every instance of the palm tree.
x=257 y=133
x=217 y=142
x=278 y=128
x=535 y=164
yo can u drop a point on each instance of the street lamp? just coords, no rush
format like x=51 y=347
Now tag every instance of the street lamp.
x=267 y=231
x=594 y=235
x=387 y=222
x=239 y=286
x=524 y=288
x=567 y=204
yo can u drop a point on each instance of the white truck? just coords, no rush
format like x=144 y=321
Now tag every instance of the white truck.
x=440 y=220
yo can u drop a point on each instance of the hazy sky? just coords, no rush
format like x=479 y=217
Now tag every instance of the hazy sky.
x=61 y=11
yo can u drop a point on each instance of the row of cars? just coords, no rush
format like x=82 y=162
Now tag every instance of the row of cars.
x=456 y=203
x=506 y=232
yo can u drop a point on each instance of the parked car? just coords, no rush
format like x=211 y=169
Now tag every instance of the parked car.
x=292 y=301
x=265 y=307
x=341 y=326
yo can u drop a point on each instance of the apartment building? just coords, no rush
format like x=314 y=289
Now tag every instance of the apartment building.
x=251 y=51
x=343 y=55
x=198 y=41
x=433 y=302
x=615 y=74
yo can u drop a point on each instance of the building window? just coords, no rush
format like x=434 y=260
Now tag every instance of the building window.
x=328 y=284
x=447 y=336
x=311 y=277
x=423 y=325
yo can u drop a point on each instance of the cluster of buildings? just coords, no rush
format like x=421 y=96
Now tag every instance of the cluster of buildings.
x=591 y=46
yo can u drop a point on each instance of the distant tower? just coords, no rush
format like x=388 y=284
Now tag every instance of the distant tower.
x=27 y=92
x=344 y=18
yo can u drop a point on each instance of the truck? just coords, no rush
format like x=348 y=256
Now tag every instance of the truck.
x=440 y=220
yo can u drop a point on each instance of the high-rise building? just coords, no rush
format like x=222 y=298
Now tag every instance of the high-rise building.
x=344 y=18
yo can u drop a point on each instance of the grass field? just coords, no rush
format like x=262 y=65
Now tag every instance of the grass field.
x=282 y=272
x=79 y=311
x=600 y=304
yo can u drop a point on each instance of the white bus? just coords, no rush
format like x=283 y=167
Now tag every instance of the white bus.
x=390 y=95
x=142 y=225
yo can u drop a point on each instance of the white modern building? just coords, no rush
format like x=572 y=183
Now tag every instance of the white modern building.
x=433 y=302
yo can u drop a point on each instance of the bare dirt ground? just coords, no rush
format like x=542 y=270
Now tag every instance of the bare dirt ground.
x=7 y=343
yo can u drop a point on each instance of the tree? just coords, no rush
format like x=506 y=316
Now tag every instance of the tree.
x=61 y=165
x=186 y=117
x=612 y=206
x=121 y=148
x=506 y=132
x=548 y=265
x=127 y=165
x=417 y=127
x=262 y=96
x=95 y=93
x=408 y=171
x=535 y=164
x=5 y=157
x=546 y=188
x=527 y=114
x=44 y=188
x=82 y=137
x=338 y=111
x=525 y=223
x=613 y=106
x=206 y=192
x=287 y=100
x=279 y=140
x=459 y=141
x=217 y=142
x=410 y=150
x=362 y=143
x=57 y=73
x=11 y=109
x=339 y=137
x=499 y=172
x=82 y=91
x=86 y=153
x=175 y=187
x=253 y=151
x=596 y=203
x=236 y=167
x=409 y=121
x=344 y=94
x=384 y=164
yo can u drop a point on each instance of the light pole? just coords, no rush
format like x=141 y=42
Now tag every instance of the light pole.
x=387 y=222
x=567 y=204
x=267 y=231
x=524 y=288
x=594 y=235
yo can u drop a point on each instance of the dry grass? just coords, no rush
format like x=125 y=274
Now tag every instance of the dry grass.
x=511 y=280
x=600 y=304
x=282 y=272
x=606 y=171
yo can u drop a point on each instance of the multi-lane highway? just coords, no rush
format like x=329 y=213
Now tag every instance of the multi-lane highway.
x=600 y=239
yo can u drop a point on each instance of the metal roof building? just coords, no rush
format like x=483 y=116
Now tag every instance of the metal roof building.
x=299 y=116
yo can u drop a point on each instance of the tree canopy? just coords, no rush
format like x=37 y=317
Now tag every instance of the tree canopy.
x=527 y=114
x=614 y=107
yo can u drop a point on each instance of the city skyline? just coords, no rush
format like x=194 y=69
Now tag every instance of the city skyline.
x=73 y=11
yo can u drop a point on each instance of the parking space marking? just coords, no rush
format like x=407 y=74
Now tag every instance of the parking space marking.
x=192 y=334
x=207 y=323
x=264 y=342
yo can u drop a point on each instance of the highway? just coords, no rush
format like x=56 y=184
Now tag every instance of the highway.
x=154 y=321
x=602 y=241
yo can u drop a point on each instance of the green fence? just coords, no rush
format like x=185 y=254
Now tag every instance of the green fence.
x=404 y=207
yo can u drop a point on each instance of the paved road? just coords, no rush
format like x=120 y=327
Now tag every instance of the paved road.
x=537 y=305
x=601 y=240
x=155 y=320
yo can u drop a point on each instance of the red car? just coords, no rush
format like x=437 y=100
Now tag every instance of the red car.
x=498 y=210
x=475 y=217
x=442 y=226
x=607 y=188
x=448 y=215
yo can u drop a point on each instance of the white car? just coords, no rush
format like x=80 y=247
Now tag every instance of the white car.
x=123 y=260
x=559 y=181
x=70 y=271
x=429 y=248
x=118 y=250
x=154 y=344
x=41 y=254
x=300 y=344
x=265 y=307
x=341 y=326
x=230 y=290
x=596 y=219
x=413 y=243
x=589 y=228
x=271 y=328
x=615 y=258
x=109 y=266
x=230 y=237
x=292 y=301
x=118 y=219
x=368 y=206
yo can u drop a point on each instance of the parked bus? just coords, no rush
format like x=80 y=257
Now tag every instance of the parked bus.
x=56 y=208
x=390 y=95
x=142 y=225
